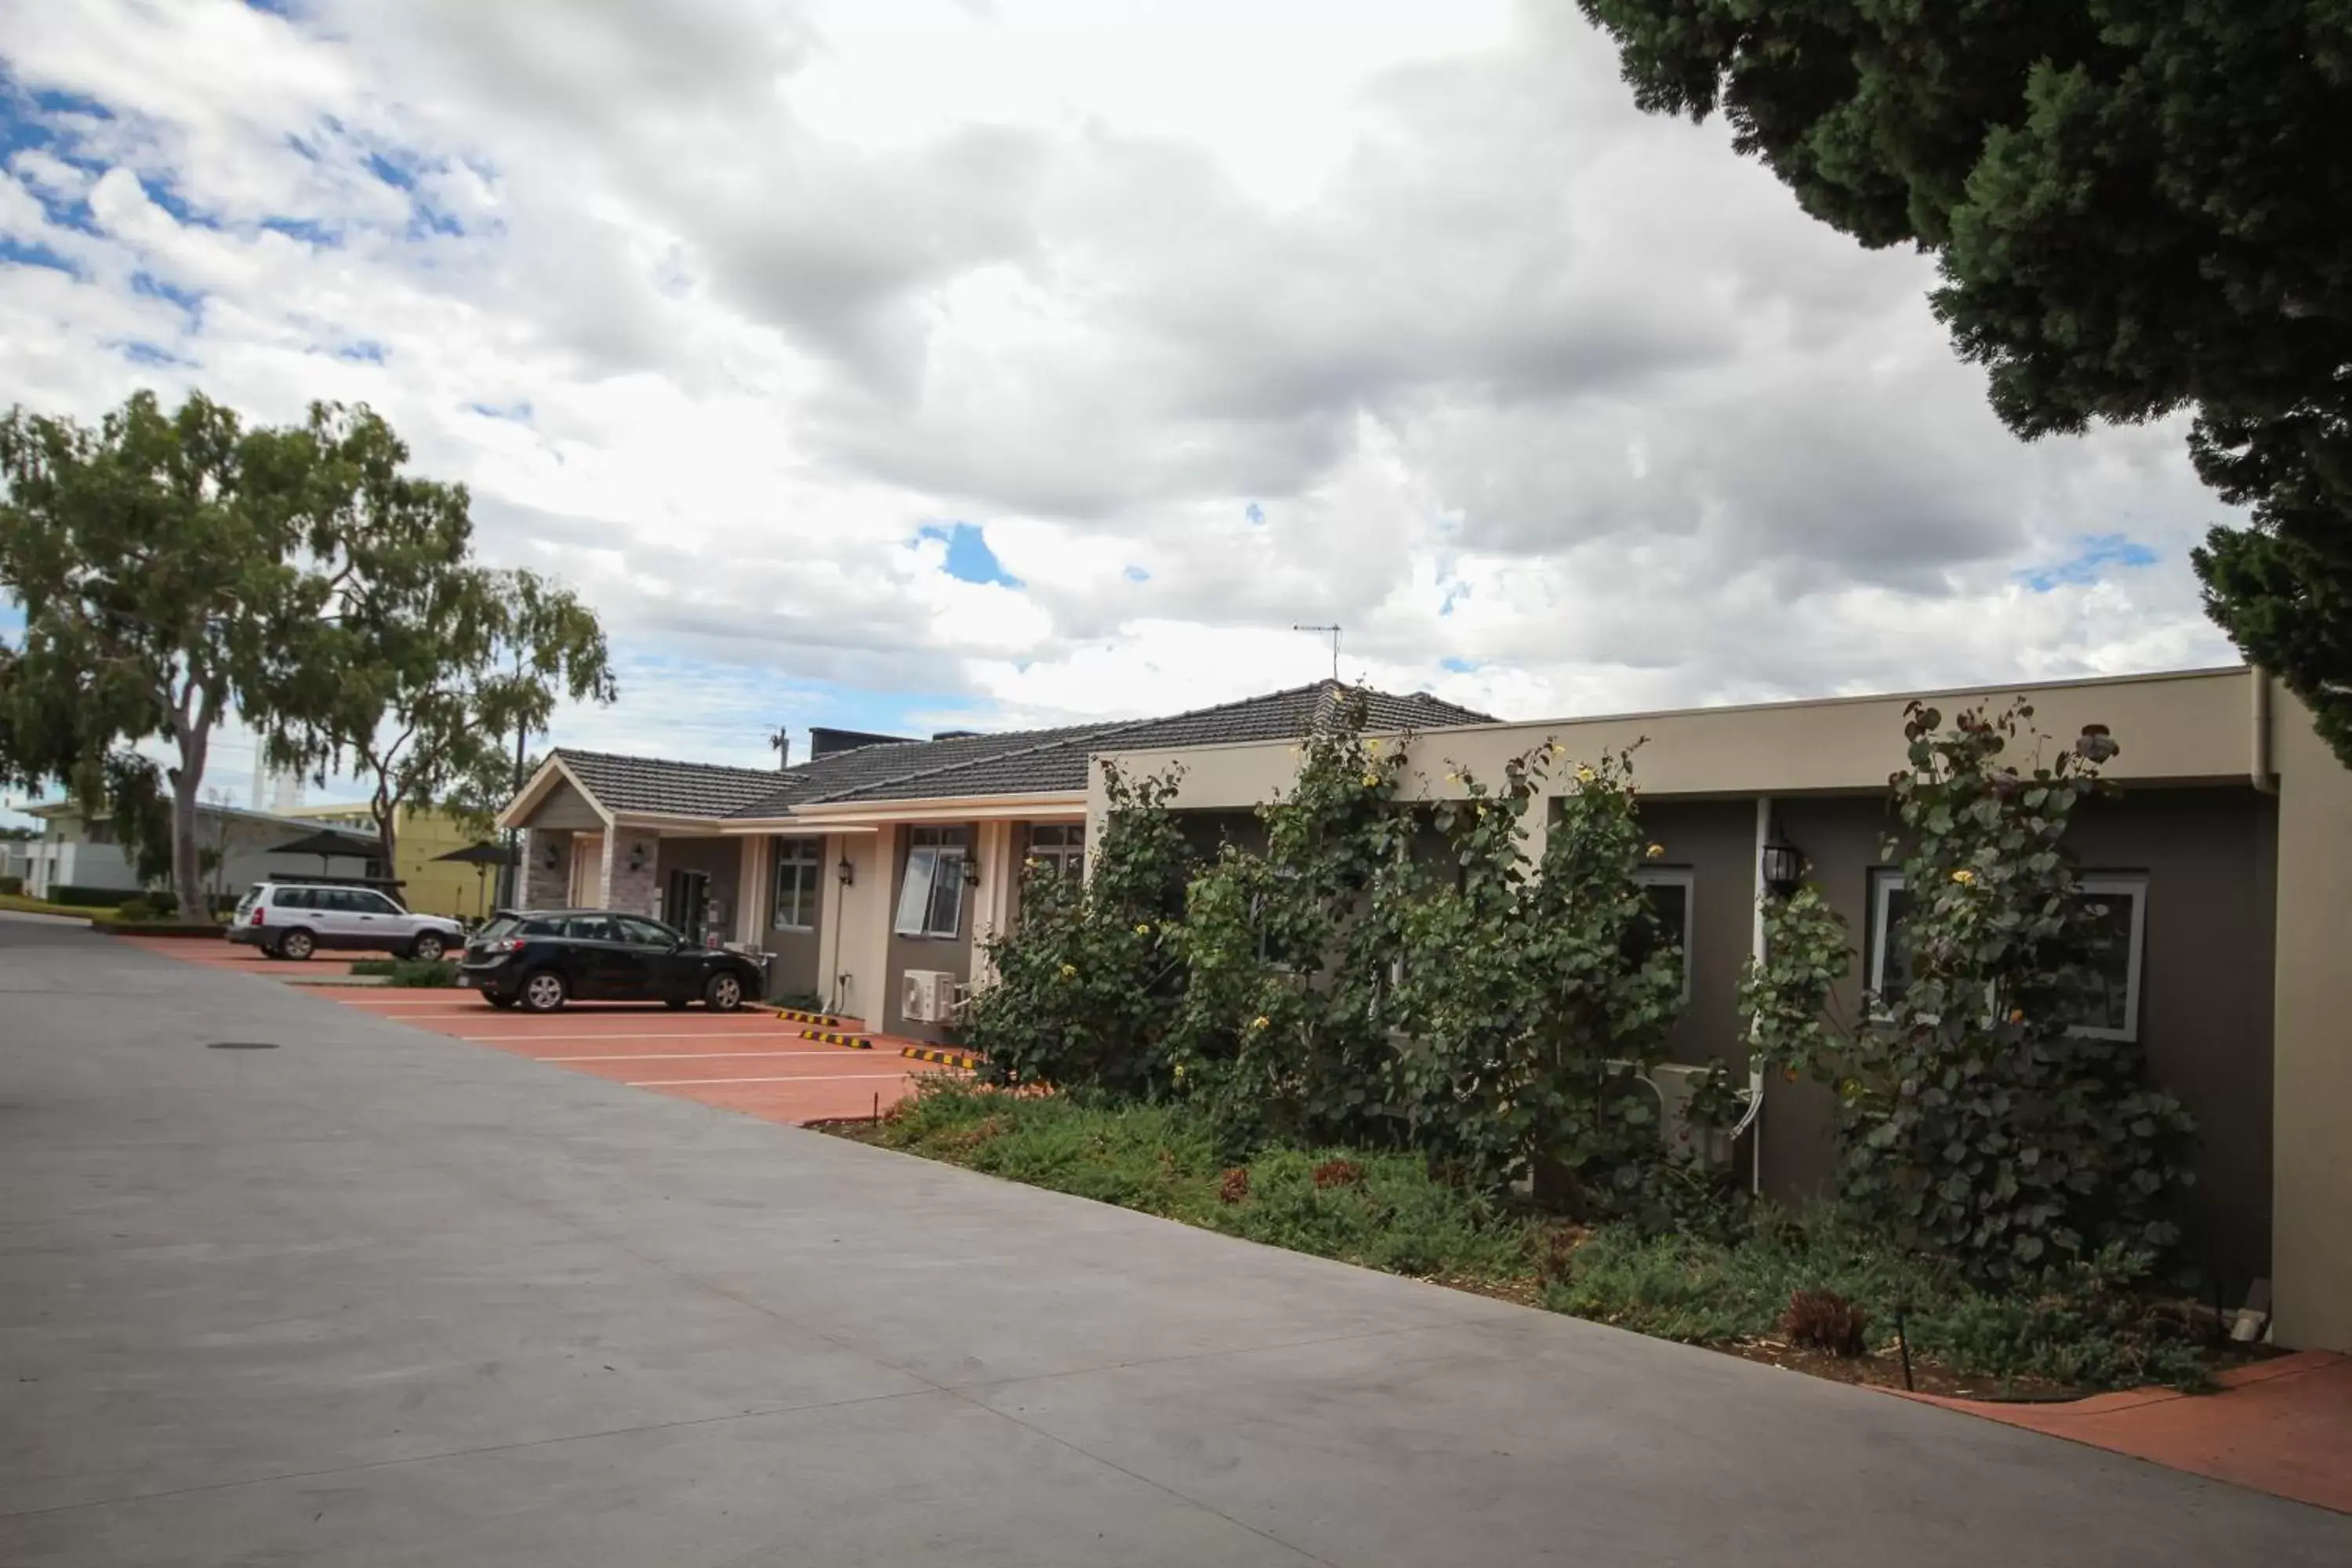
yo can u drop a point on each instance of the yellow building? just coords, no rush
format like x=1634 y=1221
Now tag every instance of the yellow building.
x=429 y=885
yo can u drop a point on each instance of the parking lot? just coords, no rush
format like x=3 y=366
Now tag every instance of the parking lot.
x=749 y=1061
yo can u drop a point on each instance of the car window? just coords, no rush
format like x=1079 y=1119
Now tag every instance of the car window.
x=644 y=934
x=538 y=928
x=589 y=928
x=506 y=925
x=293 y=898
x=340 y=900
x=373 y=904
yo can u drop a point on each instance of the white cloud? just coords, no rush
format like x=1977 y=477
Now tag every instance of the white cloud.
x=716 y=306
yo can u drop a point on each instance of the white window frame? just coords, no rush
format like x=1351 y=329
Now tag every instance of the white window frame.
x=804 y=858
x=1884 y=881
x=1687 y=879
x=1066 y=859
x=932 y=852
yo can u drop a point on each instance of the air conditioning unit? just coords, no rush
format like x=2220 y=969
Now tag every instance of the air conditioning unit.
x=926 y=996
x=1675 y=1082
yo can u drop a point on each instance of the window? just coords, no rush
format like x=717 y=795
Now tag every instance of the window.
x=368 y=903
x=2119 y=903
x=644 y=934
x=930 y=901
x=293 y=898
x=1669 y=892
x=588 y=928
x=1058 y=848
x=800 y=879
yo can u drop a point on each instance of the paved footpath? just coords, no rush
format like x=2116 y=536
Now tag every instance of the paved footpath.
x=383 y=1296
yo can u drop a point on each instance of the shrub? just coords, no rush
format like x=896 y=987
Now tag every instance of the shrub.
x=418 y=974
x=136 y=909
x=14 y=887
x=373 y=966
x=1823 y=1320
x=87 y=898
x=1090 y=978
x=1975 y=1120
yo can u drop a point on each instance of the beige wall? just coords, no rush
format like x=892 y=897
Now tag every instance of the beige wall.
x=2173 y=727
x=2312 y=1067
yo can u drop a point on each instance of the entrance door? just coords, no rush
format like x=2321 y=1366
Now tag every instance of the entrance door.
x=686 y=902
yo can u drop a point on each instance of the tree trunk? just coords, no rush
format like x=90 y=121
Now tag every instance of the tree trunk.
x=187 y=872
x=387 y=834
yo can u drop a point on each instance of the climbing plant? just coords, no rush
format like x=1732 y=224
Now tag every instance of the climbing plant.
x=1536 y=995
x=1088 y=980
x=1978 y=1116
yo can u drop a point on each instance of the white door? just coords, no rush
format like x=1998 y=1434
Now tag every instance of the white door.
x=587 y=868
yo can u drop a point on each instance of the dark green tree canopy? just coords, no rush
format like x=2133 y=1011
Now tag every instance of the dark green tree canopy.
x=2139 y=206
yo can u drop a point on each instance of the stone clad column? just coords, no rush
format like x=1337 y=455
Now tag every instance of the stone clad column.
x=625 y=886
x=546 y=870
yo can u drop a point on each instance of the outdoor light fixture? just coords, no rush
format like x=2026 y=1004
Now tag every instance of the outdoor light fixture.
x=547 y=860
x=1784 y=865
x=970 y=872
x=637 y=856
x=845 y=872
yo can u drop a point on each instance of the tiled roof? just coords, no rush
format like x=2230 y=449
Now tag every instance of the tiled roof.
x=651 y=784
x=1018 y=761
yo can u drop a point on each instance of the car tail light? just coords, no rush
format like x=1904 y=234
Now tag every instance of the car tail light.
x=501 y=944
x=256 y=914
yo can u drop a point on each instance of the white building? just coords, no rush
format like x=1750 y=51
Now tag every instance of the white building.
x=77 y=851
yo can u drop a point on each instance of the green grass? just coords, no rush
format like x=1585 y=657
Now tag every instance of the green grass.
x=1385 y=1211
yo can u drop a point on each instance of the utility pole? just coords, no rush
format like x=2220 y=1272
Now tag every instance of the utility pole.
x=1334 y=632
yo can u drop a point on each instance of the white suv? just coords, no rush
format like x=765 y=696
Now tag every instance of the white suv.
x=294 y=920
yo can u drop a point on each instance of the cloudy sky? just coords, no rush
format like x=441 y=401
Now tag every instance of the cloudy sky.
x=914 y=364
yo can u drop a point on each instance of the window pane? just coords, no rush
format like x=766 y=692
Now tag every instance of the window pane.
x=2108 y=1006
x=377 y=904
x=947 y=895
x=1895 y=961
x=588 y=928
x=915 y=895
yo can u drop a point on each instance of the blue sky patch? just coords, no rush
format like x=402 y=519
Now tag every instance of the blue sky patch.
x=1138 y=575
x=2098 y=552
x=970 y=559
x=518 y=411
x=16 y=252
x=1255 y=514
x=1459 y=666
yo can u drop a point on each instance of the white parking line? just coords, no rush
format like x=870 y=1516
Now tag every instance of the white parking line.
x=689 y=1035
x=690 y=1056
x=794 y=1078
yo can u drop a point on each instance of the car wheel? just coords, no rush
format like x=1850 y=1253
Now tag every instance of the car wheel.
x=542 y=992
x=297 y=945
x=497 y=1001
x=724 y=994
x=428 y=947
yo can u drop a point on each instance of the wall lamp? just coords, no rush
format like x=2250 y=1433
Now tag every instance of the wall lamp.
x=845 y=873
x=1784 y=865
x=970 y=872
x=638 y=856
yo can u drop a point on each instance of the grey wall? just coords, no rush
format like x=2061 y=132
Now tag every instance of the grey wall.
x=950 y=953
x=2209 y=856
x=720 y=859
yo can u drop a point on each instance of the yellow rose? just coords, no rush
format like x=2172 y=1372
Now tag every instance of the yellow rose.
x=1583 y=775
x=1965 y=877
x=1259 y=1022
x=1143 y=931
x=1656 y=851
x=1371 y=781
x=1069 y=972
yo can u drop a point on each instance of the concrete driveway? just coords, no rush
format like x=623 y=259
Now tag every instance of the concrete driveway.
x=380 y=1296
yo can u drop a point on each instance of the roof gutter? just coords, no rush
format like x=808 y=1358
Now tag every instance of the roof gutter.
x=2258 y=751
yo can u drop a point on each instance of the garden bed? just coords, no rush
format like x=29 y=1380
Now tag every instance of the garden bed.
x=1729 y=1292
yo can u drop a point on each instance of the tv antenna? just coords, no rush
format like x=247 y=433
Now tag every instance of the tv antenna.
x=1333 y=632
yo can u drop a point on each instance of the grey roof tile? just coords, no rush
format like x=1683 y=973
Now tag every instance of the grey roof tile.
x=654 y=784
x=1017 y=762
